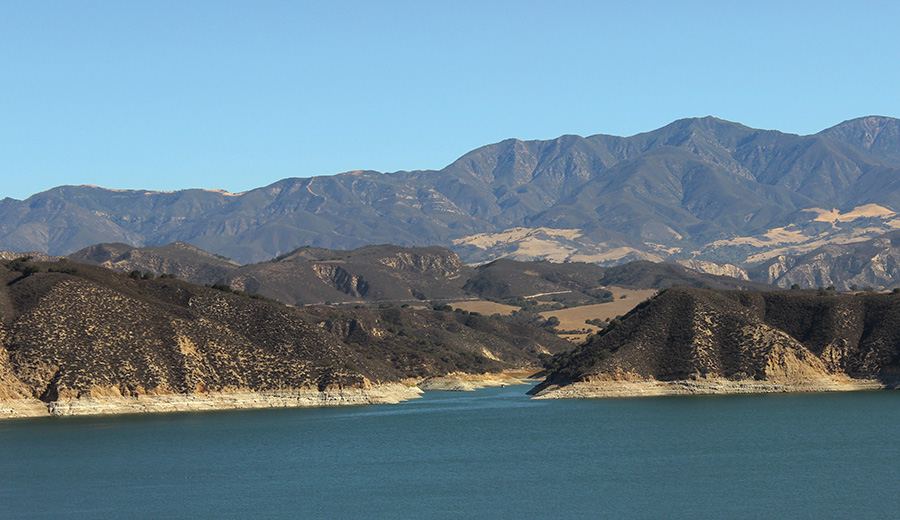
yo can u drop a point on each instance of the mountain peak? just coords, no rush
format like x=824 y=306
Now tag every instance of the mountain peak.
x=878 y=135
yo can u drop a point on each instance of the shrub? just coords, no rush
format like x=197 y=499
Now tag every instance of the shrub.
x=21 y=265
x=64 y=270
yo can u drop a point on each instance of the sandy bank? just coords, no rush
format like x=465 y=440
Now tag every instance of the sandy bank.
x=460 y=382
x=648 y=387
x=379 y=394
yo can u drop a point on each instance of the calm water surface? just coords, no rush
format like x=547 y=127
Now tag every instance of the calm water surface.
x=490 y=454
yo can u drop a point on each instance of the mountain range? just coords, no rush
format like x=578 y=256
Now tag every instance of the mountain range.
x=696 y=189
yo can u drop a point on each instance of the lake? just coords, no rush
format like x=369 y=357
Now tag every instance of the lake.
x=493 y=453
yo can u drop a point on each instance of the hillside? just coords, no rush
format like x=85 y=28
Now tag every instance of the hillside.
x=700 y=187
x=183 y=260
x=705 y=341
x=578 y=282
x=383 y=273
x=76 y=338
x=386 y=273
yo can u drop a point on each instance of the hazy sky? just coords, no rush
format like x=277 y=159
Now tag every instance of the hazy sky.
x=234 y=95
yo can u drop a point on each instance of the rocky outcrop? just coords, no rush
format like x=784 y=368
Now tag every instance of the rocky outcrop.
x=338 y=277
x=716 y=268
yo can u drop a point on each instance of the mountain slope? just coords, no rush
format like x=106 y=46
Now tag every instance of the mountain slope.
x=675 y=190
x=879 y=136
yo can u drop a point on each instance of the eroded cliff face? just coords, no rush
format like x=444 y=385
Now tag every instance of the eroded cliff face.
x=703 y=341
x=867 y=263
x=716 y=268
x=440 y=262
x=99 y=342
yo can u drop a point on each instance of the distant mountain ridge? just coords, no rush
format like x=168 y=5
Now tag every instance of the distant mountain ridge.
x=700 y=187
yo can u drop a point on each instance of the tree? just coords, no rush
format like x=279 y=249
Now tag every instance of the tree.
x=21 y=265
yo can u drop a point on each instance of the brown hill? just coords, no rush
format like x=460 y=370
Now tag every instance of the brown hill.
x=382 y=273
x=183 y=260
x=76 y=338
x=696 y=340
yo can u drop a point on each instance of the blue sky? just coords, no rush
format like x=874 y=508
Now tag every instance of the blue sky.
x=234 y=95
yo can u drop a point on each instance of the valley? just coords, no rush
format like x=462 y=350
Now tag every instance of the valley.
x=357 y=287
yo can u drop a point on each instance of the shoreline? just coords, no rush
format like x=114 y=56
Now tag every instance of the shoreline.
x=389 y=393
x=712 y=386
x=461 y=382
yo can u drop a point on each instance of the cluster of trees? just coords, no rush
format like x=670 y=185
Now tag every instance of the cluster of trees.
x=23 y=265
x=137 y=275
x=227 y=288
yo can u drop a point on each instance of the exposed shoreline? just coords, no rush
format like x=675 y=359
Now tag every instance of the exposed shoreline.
x=711 y=386
x=459 y=382
x=390 y=393
x=393 y=393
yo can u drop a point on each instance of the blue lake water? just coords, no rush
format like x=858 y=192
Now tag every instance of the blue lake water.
x=490 y=454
